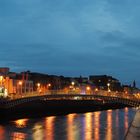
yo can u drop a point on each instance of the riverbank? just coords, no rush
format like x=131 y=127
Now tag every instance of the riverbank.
x=38 y=108
x=133 y=132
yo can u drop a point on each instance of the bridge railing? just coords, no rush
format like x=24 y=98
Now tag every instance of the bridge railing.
x=59 y=92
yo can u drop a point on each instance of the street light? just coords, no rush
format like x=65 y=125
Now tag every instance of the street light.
x=96 y=89
x=20 y=86
x=88 y=88
x=1 y=80
x=20 y=83
x=49 y=85
x=73 y=83
x=108 y=85
x=38 y=87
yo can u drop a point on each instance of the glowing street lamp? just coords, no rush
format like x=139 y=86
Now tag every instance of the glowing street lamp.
x=96 y=89
x=73 y=83
x=38 y=85
x=20 y=86
x=88 y=88
x=20 y=83
x=108 y=85
x=49 y=85
x=1 y=78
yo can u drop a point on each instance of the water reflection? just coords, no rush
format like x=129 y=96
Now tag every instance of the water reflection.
x=126 y=118
x=106 y=125
x=49 y=128
x=38 y=131
x=21 y=123
x=71 y=127
x=97 y=125
x=109 y=125
x=88 y=126
x=2 y=133
x=17 y=133
x=18 y=136
x=117 y=118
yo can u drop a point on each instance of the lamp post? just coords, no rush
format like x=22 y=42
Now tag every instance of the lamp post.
x=108 y=85
x=20 y=87
x=72 y=83
x=1 y=85
x=38 y=87
x=73 y=86
x=49 y=86
x=88 y=89
x=1 y=80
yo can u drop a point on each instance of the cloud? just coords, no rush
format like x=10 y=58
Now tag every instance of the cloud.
x=71 y=37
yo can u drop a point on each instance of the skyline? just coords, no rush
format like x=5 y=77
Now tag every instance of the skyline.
x=71 y=38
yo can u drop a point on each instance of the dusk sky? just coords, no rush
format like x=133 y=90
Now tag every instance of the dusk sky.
x=72 y=37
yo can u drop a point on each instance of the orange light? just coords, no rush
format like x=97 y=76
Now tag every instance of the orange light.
x=1 y=78
x=38 y=84
x=49 y=85
x=126 y=92
x=88 y=88
x=21 y=123
x=20 y=82
x=96 y=89
x=73 y=83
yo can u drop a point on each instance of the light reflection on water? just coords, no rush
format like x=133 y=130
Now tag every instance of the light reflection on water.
x=126 y=118
x=96 y=125
x=49 y=128
x=109 y=125
x=100 y=125
x=2 y=133
x=71 y=126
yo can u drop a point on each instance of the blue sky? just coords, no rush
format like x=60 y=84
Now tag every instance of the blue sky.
x=71 y=37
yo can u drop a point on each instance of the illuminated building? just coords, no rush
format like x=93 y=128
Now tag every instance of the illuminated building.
x=105 y=82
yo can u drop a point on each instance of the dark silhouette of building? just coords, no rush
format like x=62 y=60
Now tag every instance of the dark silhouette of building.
x=134 y=84
x=104 y=82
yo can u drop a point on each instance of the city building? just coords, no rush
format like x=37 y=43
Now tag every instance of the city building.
x=105 y=82
x=13 y=83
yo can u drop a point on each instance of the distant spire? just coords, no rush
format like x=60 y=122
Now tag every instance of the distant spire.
x=134 y=84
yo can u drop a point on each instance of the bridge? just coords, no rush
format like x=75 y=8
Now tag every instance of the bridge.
x=100 y=98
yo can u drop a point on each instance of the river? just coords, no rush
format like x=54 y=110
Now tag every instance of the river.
x=100 y=125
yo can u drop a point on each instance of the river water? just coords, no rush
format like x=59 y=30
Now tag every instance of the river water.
x=100 y=125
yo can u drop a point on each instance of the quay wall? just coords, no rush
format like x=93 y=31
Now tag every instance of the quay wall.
x=133 y=132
